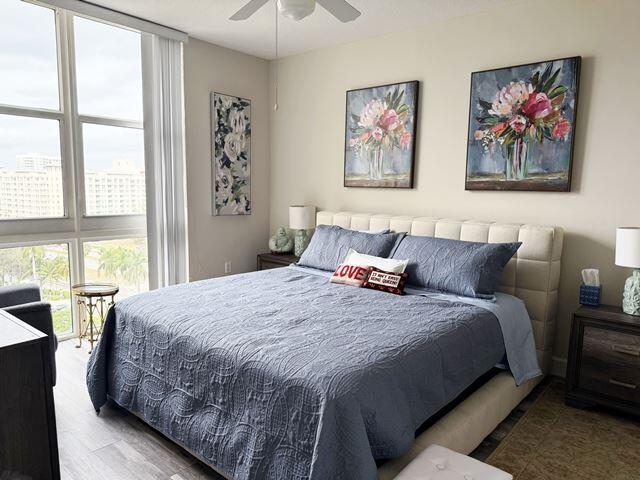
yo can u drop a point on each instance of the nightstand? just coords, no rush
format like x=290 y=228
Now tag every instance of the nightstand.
x=604 y=359
x=275 y=260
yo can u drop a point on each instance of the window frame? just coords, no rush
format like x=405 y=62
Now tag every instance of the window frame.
x=76 y=227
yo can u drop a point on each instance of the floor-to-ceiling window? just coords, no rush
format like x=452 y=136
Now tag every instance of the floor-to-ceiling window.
x=72 y=179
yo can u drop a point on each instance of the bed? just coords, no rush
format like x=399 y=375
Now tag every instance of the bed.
x=280 y=374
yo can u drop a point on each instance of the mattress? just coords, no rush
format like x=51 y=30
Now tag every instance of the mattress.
x=281 y=374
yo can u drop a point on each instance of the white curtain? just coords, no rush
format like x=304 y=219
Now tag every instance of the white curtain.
x=165 y=161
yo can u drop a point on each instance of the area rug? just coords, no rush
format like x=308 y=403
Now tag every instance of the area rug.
x=553 y=441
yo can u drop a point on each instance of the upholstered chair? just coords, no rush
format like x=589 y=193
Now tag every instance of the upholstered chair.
x=24 y=302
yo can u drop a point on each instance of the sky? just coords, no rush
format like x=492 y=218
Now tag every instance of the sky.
x=109 y=78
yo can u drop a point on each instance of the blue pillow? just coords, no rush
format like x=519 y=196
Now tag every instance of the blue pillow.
x=330 y=244
x=471 y=269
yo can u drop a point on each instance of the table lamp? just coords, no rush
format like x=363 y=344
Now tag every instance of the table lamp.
x=301 y=219
x=628 y=255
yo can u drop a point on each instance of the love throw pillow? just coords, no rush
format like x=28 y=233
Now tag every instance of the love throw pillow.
x=385 y=281
x=350 y=275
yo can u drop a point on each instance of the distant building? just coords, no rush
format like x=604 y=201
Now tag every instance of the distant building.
x=34 y=189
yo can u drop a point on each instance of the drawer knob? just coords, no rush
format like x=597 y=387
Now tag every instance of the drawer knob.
x=626 y=350
x=613 y=381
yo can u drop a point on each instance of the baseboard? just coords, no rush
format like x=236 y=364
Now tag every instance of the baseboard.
x=559 y=367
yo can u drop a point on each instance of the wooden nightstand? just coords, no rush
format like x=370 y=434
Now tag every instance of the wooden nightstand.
x=604 y=359
x=275 y=260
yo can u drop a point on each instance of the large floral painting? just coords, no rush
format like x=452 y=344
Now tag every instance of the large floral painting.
x=380 y=136
x=522 y=126
x=231 y=119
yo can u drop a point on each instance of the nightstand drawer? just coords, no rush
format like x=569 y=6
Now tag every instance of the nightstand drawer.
x=267 y=265
x=267 y=261
x=622 y=383
x=611 y=347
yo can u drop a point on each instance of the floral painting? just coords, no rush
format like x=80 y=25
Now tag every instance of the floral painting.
x=380 y=136
x=231 y=120
x=522 y=126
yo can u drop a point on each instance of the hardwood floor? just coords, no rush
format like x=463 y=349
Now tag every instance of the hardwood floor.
x=114 y=445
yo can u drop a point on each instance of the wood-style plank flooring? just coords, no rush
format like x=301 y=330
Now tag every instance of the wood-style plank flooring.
x=114 y=445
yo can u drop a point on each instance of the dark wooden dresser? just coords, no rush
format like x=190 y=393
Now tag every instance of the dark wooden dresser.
x=275 y=260
x=28 y=439
x=604 y=359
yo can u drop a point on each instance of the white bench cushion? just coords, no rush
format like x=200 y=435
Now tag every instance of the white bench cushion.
x=439 y=463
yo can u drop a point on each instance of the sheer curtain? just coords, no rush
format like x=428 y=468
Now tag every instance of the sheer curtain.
x=165 y=161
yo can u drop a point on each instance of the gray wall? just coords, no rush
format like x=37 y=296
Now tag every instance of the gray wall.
x=238 y=239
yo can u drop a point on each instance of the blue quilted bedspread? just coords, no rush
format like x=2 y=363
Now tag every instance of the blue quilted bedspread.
x=280 y=374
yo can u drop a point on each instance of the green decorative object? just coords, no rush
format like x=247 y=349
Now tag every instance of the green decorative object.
x=631 y=295
x=301 y=242
x=301 y=219
x=628 y=255
x=280 y=242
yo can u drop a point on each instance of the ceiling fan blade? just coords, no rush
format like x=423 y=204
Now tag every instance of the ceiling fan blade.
x=340 y=9
x=249 y=9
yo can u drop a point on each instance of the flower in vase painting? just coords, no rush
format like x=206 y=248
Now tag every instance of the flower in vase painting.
x=521 y=126
x=380 y=136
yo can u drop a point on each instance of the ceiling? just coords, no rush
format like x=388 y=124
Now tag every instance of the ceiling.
x=209 y=20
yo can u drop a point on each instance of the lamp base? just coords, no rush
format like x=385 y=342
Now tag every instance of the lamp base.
x=631 y=295
x=301 y=241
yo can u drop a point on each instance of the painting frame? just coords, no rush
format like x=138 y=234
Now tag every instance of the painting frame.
x=527 y=184
x=242 y=152
x=409 y=184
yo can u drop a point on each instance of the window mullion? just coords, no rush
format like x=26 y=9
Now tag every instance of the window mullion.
x=112 y=122
x=65 y=36
x=30 y=112
x=73 y=120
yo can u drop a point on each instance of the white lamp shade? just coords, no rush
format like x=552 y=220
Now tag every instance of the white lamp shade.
x=628 y=247
x=302 y=217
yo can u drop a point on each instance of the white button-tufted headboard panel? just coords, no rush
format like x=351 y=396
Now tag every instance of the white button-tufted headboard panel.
x=532 y=275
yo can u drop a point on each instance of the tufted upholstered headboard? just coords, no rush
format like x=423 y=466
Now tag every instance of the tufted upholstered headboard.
x=532 y=275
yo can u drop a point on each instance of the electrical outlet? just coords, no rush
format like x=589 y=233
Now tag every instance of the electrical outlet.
x=227 y=267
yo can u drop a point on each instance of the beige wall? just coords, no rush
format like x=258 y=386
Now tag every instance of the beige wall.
x=308 y=130
x=238 y=239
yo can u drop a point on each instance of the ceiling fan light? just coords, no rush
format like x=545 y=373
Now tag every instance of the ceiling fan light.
x=296 y=9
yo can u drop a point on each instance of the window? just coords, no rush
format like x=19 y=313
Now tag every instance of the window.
x=28 y=58
x=109 y=79
x=72 y=158
x=123 y=262
x=30 y=168
x=108 y=70
x=30 y=157
x=47 y=266
x=113 y=170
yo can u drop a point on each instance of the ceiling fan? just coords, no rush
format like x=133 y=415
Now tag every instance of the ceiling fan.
x=298 y=9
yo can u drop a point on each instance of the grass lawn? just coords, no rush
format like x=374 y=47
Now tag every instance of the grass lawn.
x=62 y=320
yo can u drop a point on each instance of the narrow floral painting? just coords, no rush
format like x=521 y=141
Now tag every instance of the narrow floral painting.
x=380 y=136
x=522 y=125
x=231 y=119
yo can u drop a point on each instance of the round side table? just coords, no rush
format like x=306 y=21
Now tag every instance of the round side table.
x=94 y=301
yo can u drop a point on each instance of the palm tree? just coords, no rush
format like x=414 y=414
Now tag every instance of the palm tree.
x=126 y=262
x=53 y=270
x=136 y=267
x=112 y=259
x=32 y=258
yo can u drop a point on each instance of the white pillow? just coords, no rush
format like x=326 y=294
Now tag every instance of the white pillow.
x=387 y=264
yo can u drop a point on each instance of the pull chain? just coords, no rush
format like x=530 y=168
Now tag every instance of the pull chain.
x=275 y=74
